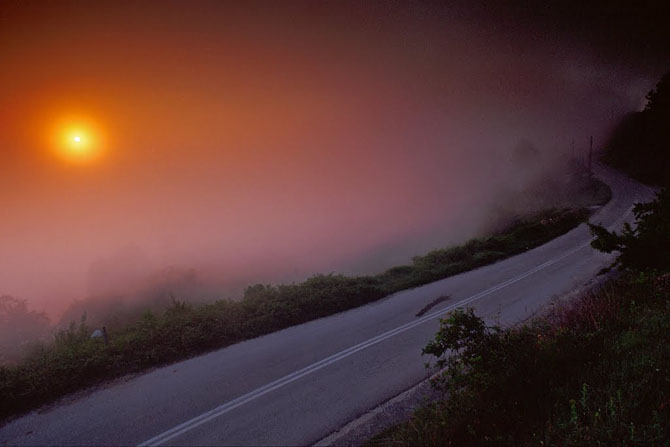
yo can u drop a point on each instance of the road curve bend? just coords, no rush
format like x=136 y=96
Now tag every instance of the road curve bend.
x=297 y=385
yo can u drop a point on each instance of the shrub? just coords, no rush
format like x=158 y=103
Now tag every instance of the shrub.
x=647 y=245
x=594 y=371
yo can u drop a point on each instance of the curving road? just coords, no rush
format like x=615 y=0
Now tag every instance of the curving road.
x=298 y=385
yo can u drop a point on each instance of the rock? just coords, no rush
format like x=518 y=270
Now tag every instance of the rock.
x=101 y=333
x=96 y=334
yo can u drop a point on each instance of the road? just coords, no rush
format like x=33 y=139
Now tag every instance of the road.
x=296 y=386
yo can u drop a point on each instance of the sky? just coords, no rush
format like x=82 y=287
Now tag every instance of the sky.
x=265 y=142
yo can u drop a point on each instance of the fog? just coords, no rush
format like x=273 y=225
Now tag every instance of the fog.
x=272 y=142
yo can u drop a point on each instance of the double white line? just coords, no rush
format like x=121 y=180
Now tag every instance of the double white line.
x=283 y=381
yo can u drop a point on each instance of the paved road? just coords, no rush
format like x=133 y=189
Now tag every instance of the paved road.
x=298 y=385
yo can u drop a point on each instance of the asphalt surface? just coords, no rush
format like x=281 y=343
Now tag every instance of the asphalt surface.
x=296 y=386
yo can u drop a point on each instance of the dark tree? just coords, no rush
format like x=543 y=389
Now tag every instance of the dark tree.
x=658 y=100
x=640 y=145
x=645 y=246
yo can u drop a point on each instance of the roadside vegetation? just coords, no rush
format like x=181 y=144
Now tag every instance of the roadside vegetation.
x=593 y=371
x=74 y=361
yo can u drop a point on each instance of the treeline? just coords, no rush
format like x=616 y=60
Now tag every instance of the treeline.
x=640 y=145
x=20 y=328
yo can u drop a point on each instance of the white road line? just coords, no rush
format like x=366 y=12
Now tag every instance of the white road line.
x=283 y=381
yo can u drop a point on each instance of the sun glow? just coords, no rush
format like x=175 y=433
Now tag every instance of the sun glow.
x=78 y=140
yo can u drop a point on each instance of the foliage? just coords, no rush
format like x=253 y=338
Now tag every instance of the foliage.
x=593 y=372
x=645 y=246
x=640 y=144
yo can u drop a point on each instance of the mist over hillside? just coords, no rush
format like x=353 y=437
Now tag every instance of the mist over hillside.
x=249 y=145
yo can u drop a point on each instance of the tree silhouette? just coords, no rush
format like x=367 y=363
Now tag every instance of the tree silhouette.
x=19 y=327
x=645 y=245
x=658 y=100
x=640 y=145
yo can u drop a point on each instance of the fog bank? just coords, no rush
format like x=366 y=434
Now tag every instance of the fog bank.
x=269 y=143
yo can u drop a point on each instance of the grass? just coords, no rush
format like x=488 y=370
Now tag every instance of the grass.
x=521 y=236
x=595 y=371
x=75 y=361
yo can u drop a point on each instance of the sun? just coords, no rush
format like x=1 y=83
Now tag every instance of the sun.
x=80 y=145
x=77 y=140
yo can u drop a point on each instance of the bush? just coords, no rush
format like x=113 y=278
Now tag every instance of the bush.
x=647 y=246
x=592 y=372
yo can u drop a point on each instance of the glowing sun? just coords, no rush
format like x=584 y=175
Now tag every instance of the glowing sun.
x=78 y=140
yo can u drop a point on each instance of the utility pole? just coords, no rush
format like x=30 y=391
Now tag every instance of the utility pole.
x=590 y=155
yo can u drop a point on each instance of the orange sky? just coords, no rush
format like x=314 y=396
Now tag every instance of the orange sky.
x=266 y=141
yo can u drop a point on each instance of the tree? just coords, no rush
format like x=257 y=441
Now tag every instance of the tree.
x=645 y=246
x=640 y=145
x=19 y=327
x=658 y=100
